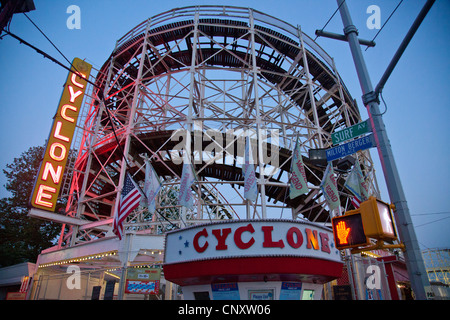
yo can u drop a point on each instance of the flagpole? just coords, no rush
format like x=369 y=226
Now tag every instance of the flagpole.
x=339 y=211
x=247 y=201
x=288 y=187
x=186 y=180
x=147 y=162
x=199 y=190
x=250 y=183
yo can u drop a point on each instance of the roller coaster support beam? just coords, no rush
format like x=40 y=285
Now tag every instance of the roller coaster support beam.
x=413 y=257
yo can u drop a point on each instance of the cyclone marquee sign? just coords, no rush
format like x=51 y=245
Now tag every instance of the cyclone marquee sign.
x=49 y=179
x=250 y=246
x=250 y=238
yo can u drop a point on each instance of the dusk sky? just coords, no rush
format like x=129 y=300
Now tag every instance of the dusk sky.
x=417 y=93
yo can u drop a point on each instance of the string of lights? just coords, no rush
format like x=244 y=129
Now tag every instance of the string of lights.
x=101 y=256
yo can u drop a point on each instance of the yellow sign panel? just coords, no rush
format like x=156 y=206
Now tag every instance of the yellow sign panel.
x=49 y=179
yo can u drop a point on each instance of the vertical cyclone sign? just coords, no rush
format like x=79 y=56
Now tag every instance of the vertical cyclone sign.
x=49 y=178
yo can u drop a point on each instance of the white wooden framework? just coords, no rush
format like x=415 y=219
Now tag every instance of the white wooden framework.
x=215 y=72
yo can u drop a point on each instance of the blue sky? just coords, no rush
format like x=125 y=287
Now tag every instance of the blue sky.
x=417 y=93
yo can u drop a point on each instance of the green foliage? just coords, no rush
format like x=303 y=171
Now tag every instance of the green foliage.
x=22 y=238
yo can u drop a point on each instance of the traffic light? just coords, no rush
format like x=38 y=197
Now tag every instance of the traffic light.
x=348 y=231
x=372 y=220
x=377 y=219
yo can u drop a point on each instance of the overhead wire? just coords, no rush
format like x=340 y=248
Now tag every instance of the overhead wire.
x=385 y=105
x=332 y=16
x=423 y=224
x=430 y=213
x=99 y=93
x=42 y=32
x=376 y=35
x=100 y=96
x=387 y=20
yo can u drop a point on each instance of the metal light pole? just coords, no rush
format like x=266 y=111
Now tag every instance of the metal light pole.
x=414 y=261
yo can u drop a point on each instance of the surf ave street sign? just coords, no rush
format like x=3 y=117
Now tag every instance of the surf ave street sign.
x=351 y=132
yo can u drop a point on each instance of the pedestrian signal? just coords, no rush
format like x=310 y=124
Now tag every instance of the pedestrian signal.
x=348 y=231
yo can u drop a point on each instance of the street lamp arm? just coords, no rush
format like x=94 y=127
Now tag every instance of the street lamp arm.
x=403 y=45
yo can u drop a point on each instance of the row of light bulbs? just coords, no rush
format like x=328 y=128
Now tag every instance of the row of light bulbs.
x=156 y=264
x=154 y=252
x=95 y=256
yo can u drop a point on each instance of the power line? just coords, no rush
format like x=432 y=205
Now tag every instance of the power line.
x=99 y=94
x=46 y=55
x=430 y=213
x=398 y=5
x=332 y=16
x=42 y=32
x=423 y=224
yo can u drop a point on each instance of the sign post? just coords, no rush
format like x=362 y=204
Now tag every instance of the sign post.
x=413 y=256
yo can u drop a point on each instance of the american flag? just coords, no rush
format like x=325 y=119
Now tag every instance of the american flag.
x=129 y=200
x=356 y=202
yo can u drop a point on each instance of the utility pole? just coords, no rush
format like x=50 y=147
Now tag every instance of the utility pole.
x=413 y=256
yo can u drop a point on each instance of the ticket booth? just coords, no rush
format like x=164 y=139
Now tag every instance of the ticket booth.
x=252 y=260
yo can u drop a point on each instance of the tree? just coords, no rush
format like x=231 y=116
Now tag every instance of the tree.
x=22 y=238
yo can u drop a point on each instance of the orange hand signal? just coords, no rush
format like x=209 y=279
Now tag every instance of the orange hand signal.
x=342 y=232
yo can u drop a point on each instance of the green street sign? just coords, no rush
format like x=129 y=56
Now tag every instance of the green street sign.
x=351 y=132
